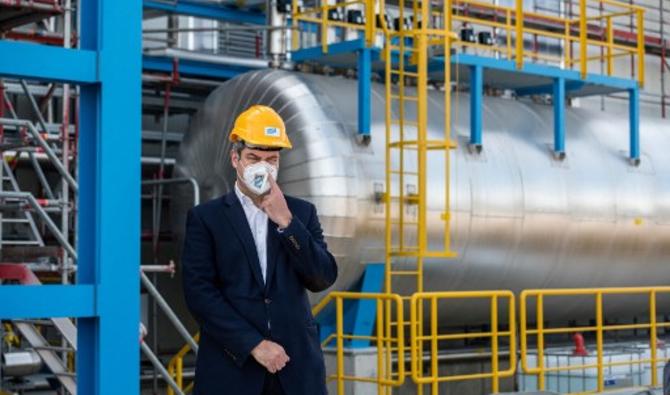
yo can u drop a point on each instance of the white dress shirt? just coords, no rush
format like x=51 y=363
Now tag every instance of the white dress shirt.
x=258 y=223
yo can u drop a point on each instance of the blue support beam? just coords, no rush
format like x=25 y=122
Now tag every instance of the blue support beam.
x=365 y=311
x=359 y=315
x=549 y=88
x=109 y=210
x=559 y=117
x=344 y=47
x=634 y=114
x=207 y=11
x=43 y=62
x=476 y=103
x=364 y=93
x=105 y=299
x=36 y=301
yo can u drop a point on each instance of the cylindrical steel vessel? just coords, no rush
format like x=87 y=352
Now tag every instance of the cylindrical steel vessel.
x=521 y=219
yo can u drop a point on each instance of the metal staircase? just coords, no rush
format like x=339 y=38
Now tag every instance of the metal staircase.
x=17 y=225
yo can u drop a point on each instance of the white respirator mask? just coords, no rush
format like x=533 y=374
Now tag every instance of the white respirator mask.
x=256 y=177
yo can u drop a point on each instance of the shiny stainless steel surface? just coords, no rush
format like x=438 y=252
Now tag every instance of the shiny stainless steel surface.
x=521 y=219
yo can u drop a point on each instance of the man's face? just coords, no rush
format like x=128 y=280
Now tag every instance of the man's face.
x=250 y=156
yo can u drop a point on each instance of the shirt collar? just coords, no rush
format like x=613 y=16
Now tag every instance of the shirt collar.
x=244 y=199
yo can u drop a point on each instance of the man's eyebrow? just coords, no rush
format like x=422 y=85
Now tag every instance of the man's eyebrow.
x=252 y=155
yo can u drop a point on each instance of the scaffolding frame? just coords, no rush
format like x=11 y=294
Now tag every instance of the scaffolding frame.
x=107 y=69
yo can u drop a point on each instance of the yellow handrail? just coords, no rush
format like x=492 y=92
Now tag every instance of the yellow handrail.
x=388 y=344
x=540 y=295
x=417 y=339
x=176 y=367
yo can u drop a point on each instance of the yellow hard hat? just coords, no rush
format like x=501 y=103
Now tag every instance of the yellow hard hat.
x=260 y=126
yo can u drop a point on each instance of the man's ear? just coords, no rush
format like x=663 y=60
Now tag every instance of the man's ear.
x=234 y=158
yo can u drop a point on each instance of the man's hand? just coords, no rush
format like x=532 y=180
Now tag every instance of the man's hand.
x=271 y=355
x=274 y=205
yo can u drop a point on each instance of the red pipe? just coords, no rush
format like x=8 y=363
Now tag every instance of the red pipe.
x=580 y=348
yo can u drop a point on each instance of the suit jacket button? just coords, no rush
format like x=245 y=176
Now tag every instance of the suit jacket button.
x=268 y=300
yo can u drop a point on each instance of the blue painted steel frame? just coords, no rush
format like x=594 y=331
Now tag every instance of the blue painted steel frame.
x=365 y=57
x=106 y=297
x=207 y=11
x=476 y=103
x=359 y=315
x=364 y=91
x=634 y=116
x=559 y=116
x=194 y=68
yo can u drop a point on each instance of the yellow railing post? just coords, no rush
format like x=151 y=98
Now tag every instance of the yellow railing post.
x=610 y=43
x=540 y=341
x=583 y=61
x=370 y=23
x=295 y=24
x=653 y=337
x=381 y=372
x=599 y=341
x=340 y=344
x=180 y=372
x=519 y=34
x=567 y=44
x=433 y=346
x=640 y=47
x=324 y=26
x=495 y=384
x=170 y=370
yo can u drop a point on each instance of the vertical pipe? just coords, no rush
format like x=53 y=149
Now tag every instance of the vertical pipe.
x=559 y=117
x=364 y=93
x=634 y=119
x=599 y=341
x=476 y=98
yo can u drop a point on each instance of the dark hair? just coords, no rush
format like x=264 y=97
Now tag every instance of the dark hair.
x=238 y=146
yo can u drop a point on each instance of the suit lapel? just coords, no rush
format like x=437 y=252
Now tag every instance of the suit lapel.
x=272 y=251
x=233 y=211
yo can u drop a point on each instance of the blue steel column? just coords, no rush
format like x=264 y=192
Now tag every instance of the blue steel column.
x=559 y=117
x=109 y=212
x=634 y=114
x=476 y=101
x=364 y=94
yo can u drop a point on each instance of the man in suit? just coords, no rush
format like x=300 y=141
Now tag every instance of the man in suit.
x=249 y=258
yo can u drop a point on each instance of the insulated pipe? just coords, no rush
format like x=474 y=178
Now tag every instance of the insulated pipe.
x=201 y=57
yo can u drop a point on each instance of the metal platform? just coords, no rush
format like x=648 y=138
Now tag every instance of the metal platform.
x=23 y=12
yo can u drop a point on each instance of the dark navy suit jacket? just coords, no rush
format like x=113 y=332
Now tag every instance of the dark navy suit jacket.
x=236 y=310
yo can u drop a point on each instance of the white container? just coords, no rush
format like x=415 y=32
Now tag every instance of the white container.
x=582 y=380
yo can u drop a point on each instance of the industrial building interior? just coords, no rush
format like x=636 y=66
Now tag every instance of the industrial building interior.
x=492 y=177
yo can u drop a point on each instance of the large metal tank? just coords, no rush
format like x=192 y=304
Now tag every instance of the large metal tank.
x=521 y=219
